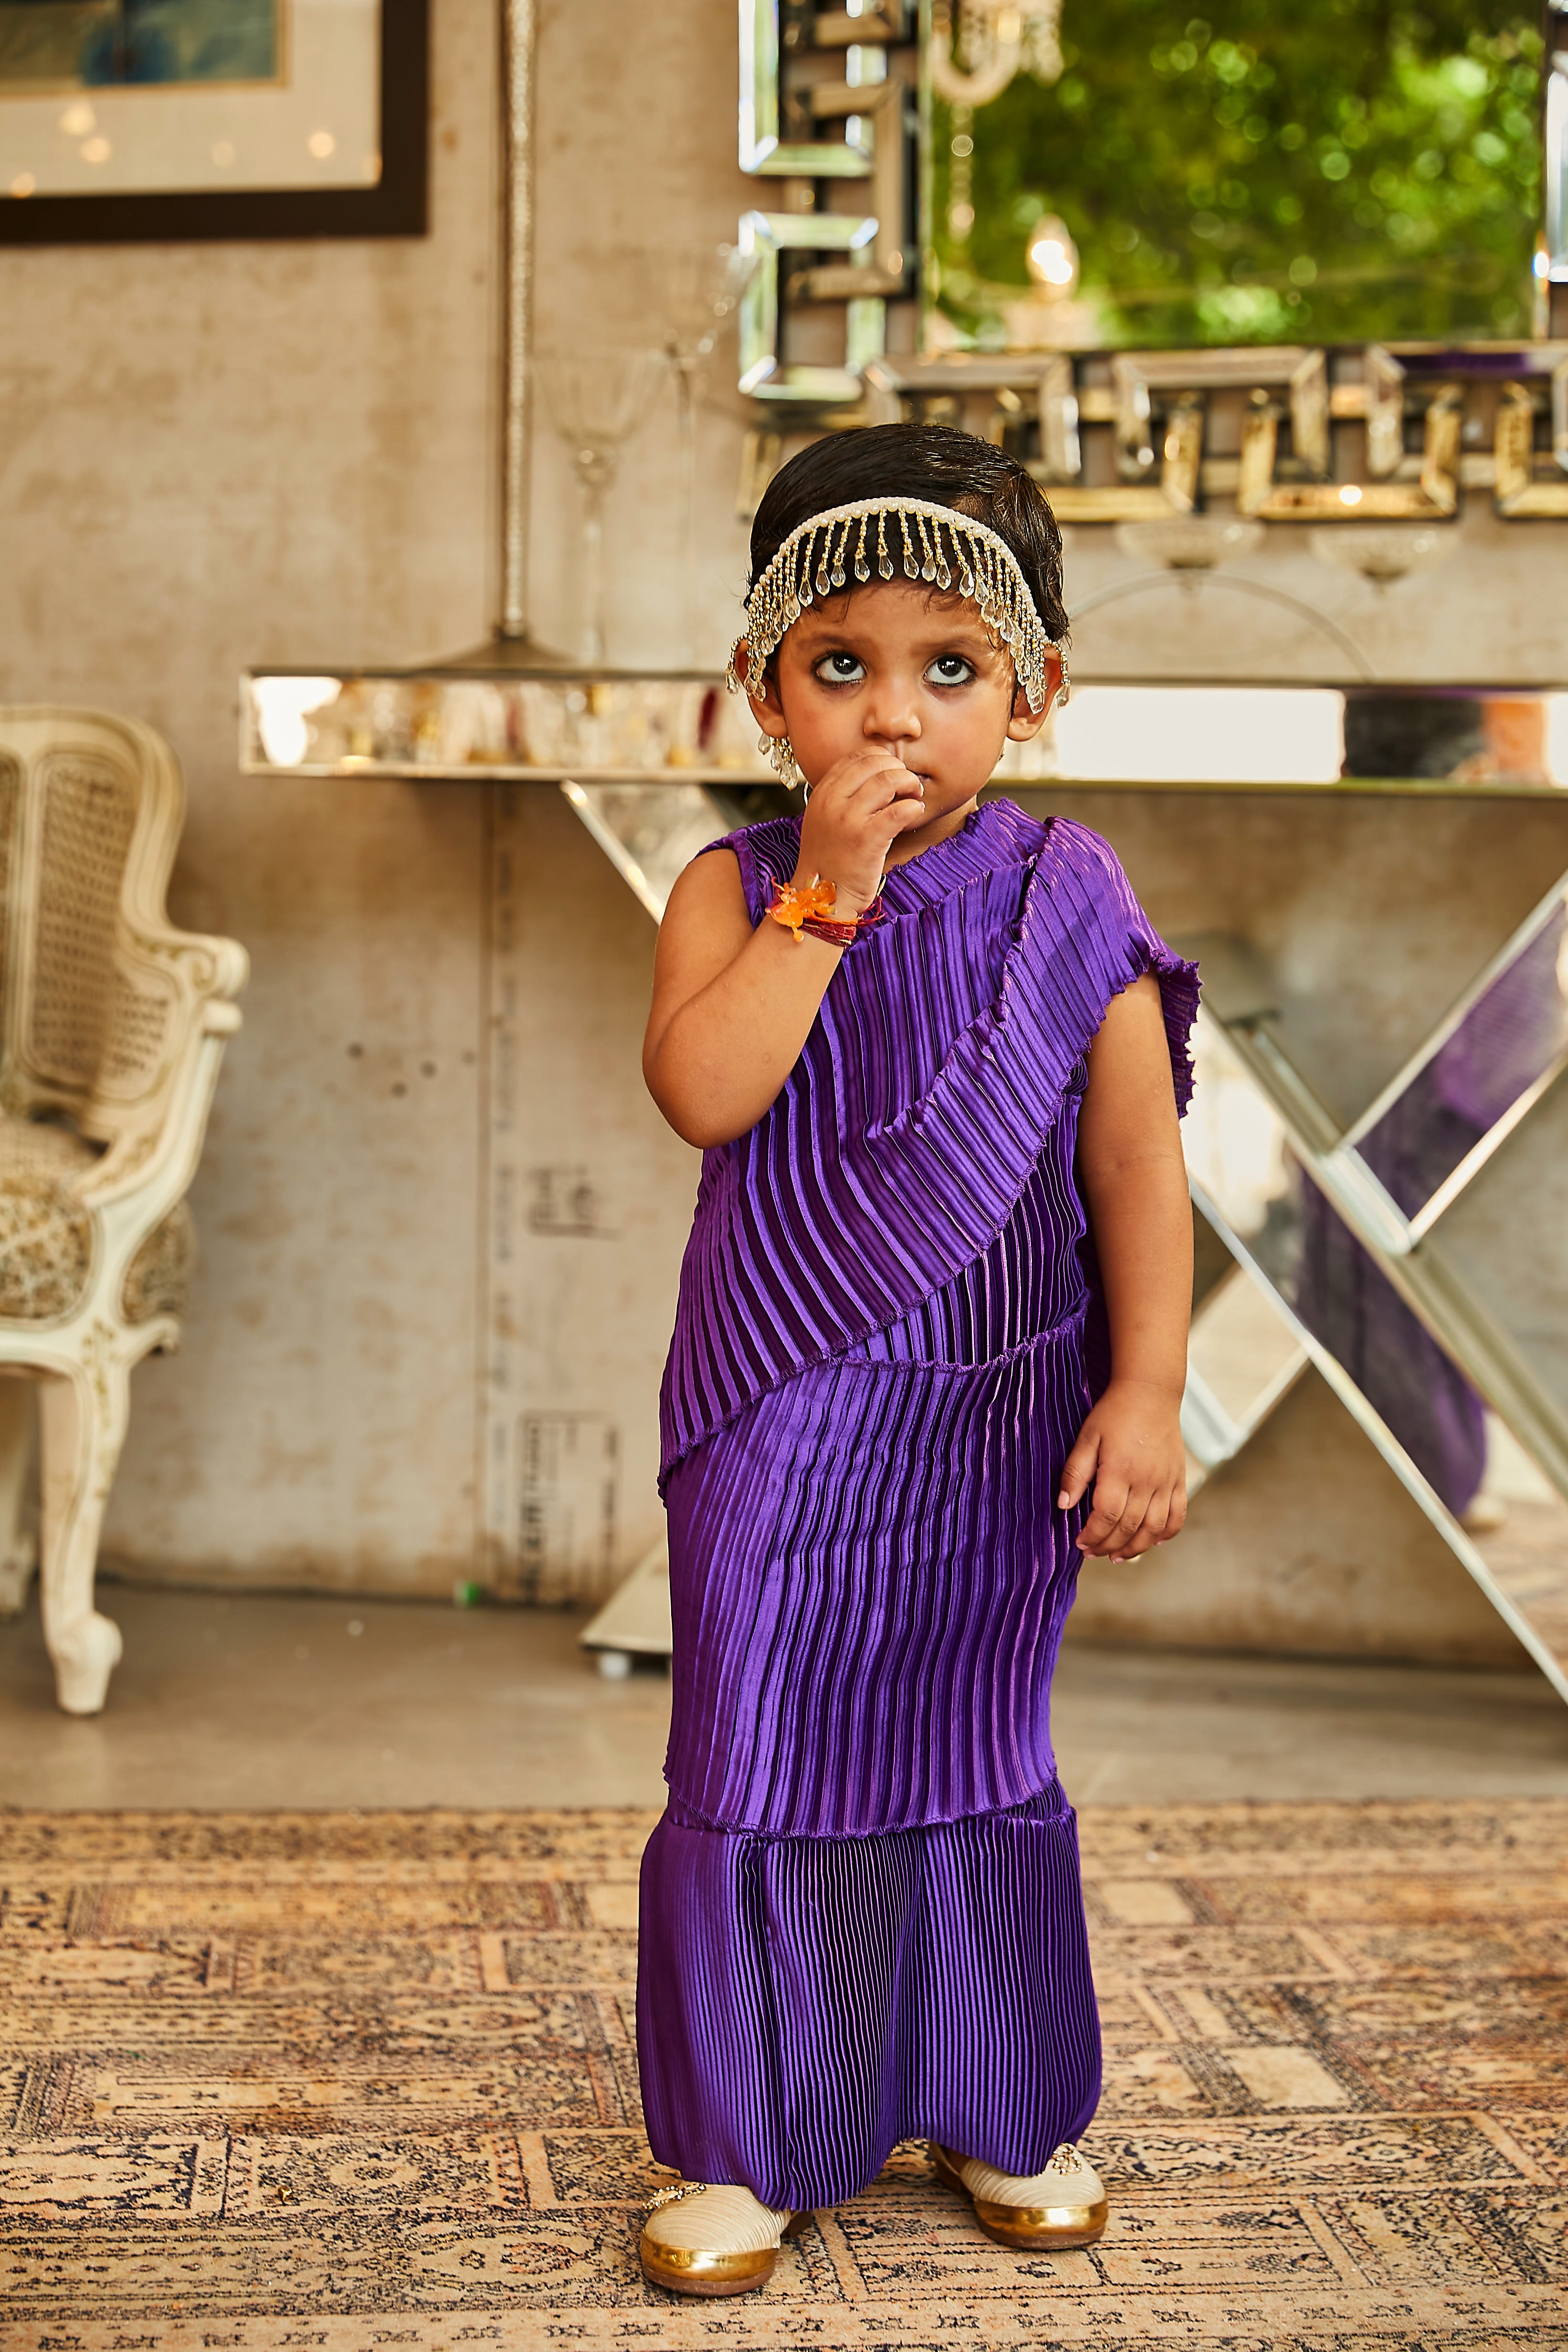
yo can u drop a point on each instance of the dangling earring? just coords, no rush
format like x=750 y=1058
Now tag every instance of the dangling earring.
x=780 y=753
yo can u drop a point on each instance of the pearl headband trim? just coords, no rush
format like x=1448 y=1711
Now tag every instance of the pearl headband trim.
x=933 y=543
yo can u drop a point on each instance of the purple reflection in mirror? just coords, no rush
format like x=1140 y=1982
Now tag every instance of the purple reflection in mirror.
x=1512 y=1037
x=1345 y=1301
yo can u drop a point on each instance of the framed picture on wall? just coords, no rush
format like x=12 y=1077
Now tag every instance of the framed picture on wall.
x=136 y=121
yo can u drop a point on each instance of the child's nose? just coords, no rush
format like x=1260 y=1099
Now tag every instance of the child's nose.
x=892 y=717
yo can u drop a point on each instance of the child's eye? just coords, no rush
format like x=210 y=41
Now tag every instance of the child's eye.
x=951 y=670
x=839 y=669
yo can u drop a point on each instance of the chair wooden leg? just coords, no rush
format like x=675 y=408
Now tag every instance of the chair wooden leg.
x=17 y=1549
x=82 y=1416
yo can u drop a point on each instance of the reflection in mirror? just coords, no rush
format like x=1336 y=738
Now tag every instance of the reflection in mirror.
x=1477 y=1481
x=429 y=724
x=1434 y=1127
x=1151 y=177
x=433 y=723
x=1242 y=1357
x=1195 y=734
x=650 y=834
x=1223 y=734
x=1464 y=735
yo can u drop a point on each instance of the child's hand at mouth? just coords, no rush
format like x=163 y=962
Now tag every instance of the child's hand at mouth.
x=853 y=815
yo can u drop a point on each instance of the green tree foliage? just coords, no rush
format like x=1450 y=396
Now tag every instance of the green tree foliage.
x=1325 y=172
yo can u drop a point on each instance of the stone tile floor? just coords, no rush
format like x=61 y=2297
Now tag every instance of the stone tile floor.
x=286 y=1699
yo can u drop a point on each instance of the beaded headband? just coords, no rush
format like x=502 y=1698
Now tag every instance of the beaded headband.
x=933 y=543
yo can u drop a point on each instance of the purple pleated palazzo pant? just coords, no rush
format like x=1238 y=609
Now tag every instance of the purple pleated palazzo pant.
x=861 y=1914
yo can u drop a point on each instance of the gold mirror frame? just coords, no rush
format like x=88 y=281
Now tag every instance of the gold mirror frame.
x=883 y=242
x=763 y=374
x=1519 y=490
x=1161 y=406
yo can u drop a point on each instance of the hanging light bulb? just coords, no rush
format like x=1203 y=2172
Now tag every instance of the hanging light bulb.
x=1052 y=258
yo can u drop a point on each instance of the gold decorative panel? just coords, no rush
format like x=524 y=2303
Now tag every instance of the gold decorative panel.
x=1291 y=434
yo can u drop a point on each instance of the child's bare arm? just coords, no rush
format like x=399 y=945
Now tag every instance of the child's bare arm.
x=732 y=1006
x=1135 y=1186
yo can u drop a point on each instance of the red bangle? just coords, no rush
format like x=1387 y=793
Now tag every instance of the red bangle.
x=843 y=935
x=807 y=906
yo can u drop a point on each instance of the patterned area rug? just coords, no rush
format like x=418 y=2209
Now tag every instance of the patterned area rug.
x=347 y=2081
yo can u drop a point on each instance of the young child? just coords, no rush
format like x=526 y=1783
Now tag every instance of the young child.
x=936 y=1290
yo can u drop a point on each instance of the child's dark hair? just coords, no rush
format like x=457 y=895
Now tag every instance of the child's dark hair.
x=934 y=462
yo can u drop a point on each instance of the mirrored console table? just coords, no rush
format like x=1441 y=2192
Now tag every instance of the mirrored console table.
x=468 y=724
x=1376 y=880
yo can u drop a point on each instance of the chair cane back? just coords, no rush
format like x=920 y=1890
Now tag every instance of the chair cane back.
x=113 y=1025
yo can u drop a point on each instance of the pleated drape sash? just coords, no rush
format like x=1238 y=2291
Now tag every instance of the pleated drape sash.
x=919 y=1107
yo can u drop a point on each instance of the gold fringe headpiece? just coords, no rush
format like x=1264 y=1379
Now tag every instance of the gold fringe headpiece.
x=933 y=543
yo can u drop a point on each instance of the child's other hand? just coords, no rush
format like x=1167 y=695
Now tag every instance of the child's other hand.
x=1131 y=1446
x=853 y=815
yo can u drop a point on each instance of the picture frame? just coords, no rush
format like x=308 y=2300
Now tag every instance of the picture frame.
x=372 y=182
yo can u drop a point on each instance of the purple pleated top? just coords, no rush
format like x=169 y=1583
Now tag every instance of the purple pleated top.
x=920 y=1108
x=884 y=1345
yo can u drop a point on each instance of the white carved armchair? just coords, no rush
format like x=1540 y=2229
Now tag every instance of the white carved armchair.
x=112 y=1029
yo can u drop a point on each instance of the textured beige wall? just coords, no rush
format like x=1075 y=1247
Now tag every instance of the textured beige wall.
x=224 y=454
x=215 y=455
x=636 y=163
x=1493 y=610
x=591 y=1200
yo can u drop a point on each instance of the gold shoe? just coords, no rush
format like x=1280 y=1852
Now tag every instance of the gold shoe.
x=1053 y=2210
x=700 y=2239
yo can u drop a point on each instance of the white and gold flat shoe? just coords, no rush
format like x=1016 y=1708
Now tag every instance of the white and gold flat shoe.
x=1049 y=2212
x=699 y=2240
